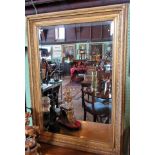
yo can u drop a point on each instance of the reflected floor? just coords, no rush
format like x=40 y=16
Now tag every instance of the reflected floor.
x=77 y=100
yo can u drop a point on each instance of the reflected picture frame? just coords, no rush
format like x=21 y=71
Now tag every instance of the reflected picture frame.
x=96 y=51
x=68 y=51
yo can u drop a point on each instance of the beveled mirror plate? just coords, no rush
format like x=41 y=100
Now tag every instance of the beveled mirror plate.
x=111 y=143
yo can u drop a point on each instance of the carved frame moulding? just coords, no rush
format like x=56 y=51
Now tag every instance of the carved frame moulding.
x=115 y=13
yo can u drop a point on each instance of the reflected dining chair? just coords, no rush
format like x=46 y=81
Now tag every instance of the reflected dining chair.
x=95 y=106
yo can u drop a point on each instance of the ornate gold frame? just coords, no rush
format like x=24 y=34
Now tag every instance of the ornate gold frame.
x=117 y=13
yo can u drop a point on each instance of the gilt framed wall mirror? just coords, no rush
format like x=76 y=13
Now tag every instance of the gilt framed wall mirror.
x=73 y=54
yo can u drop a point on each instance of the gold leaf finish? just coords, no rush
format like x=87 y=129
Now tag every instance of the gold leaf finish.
x=112 y=141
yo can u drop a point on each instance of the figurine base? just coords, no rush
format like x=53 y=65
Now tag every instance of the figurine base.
x=76 y=125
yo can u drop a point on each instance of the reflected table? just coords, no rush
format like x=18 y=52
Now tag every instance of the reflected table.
x=50 y=86
x=100 y=93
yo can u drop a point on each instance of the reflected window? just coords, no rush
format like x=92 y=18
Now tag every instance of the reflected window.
x=59 y=33
x=43 y=34
x=40 y=32
x=111 y=28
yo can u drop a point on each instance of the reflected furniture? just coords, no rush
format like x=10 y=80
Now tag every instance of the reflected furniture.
x=55 y=71
x=77 y=71
x=95 y=106
x=60 y=70
x=52 y=91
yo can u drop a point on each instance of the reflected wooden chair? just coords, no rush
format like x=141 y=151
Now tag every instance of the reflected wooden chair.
x=61 y=70
x=95 y=106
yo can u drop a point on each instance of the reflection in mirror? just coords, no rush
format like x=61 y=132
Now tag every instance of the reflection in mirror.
x=76 y=75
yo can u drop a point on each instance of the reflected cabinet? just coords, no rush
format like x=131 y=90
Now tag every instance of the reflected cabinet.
x=96 y=34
